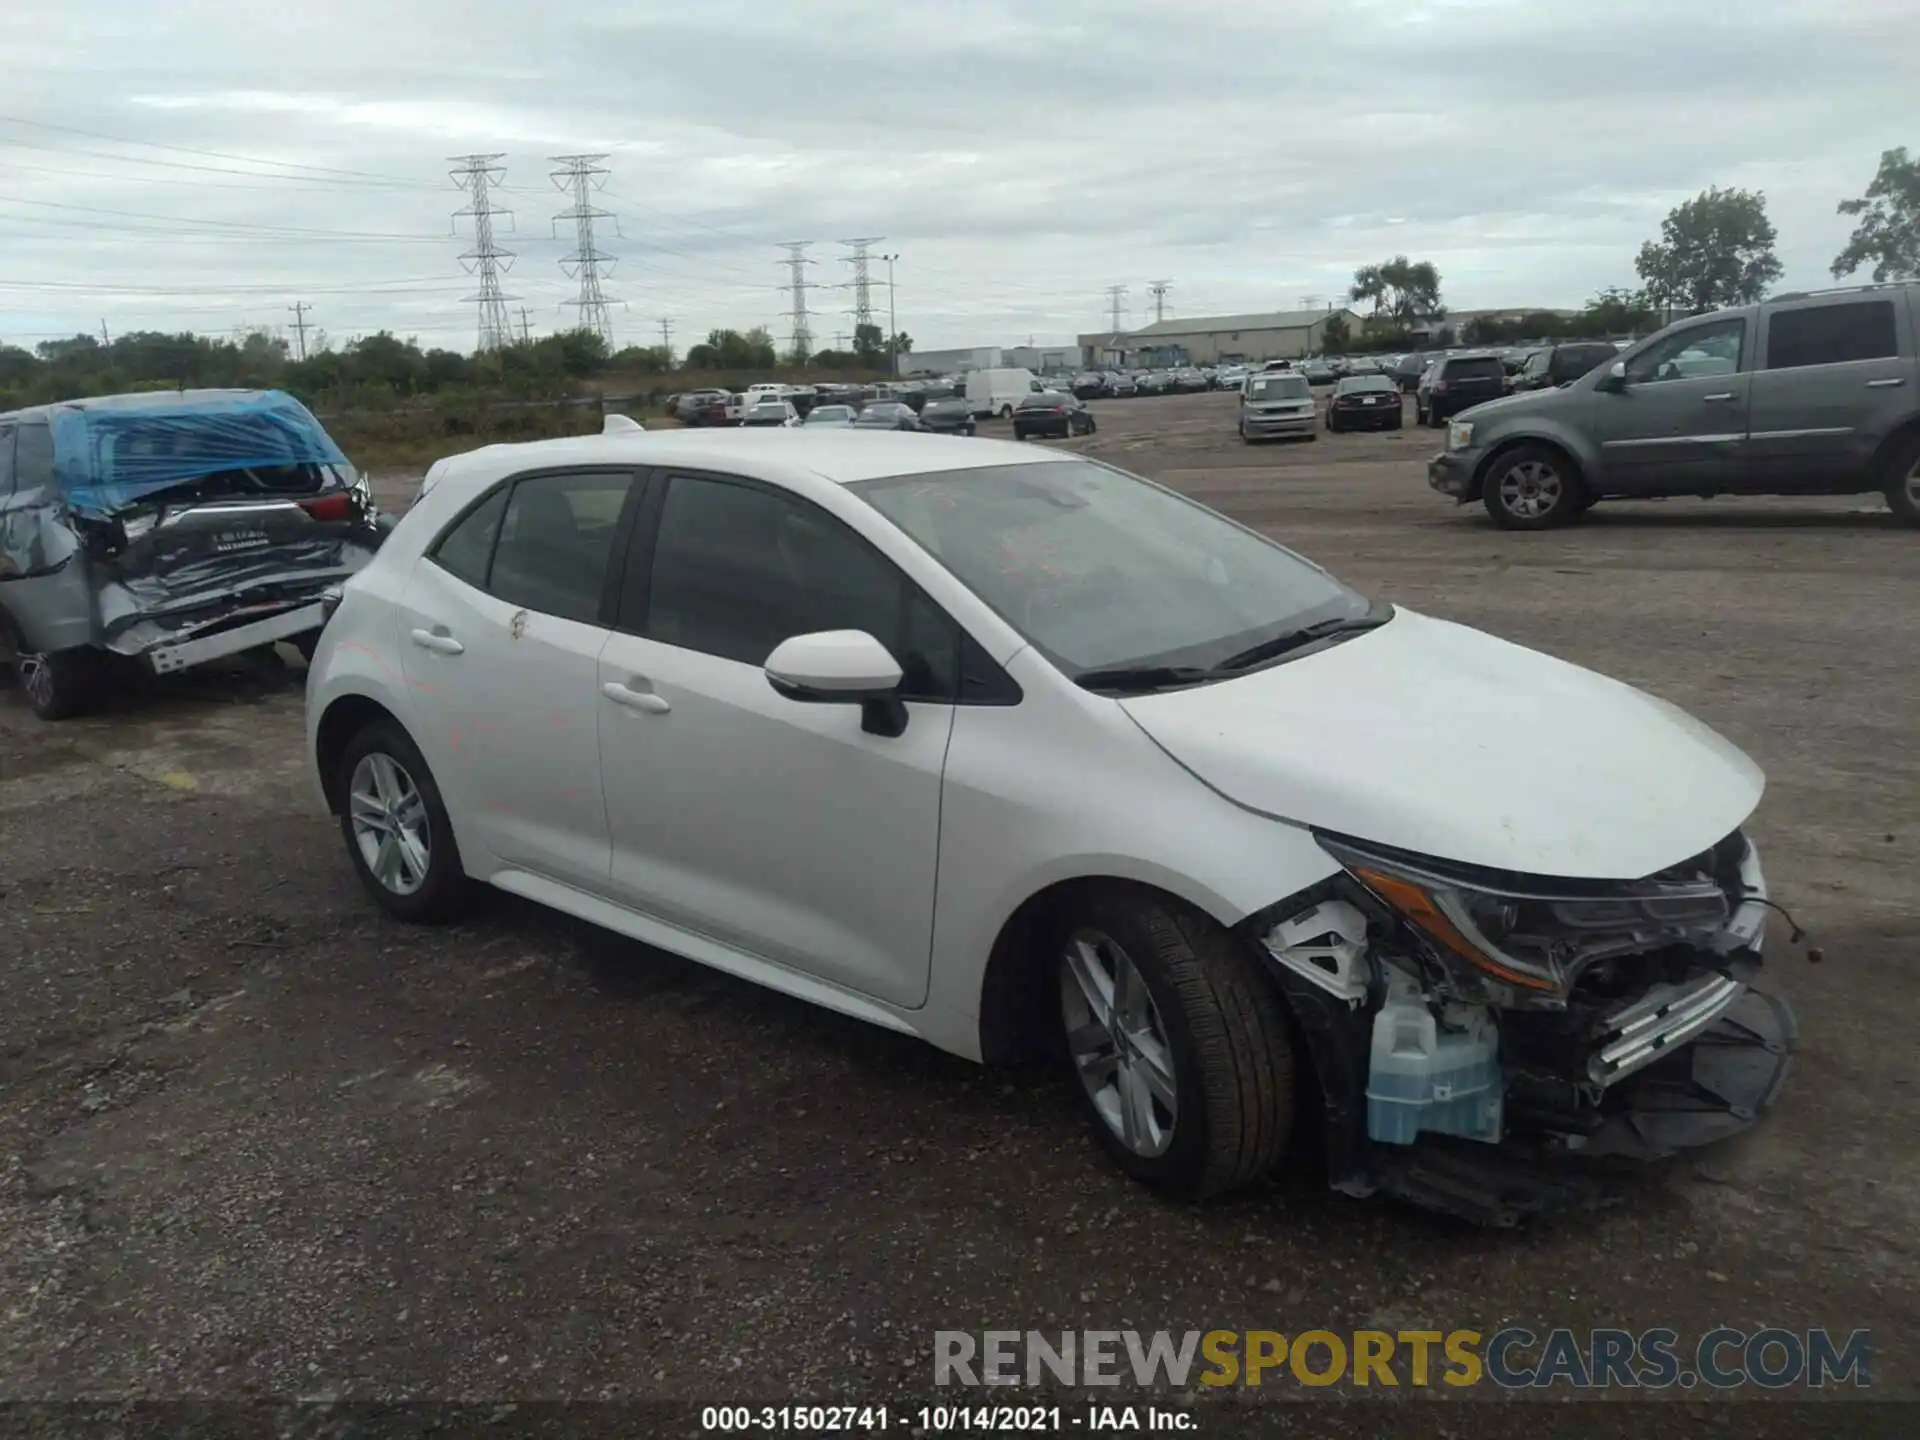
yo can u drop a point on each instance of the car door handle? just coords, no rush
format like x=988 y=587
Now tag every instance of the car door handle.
x=439 y=641
x=1886 y=384
x=1712 y=399
x=634 y=699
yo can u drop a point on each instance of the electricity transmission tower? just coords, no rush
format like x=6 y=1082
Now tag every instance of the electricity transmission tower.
x=300 y=309
x=862 y=282
x=1158 y=289
x=582 y=175
x=797 y=262
x=478 y=175
x=1116 y=301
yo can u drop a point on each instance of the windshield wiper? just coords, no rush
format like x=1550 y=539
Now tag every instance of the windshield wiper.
x=1143 y=677
x=1295 y=639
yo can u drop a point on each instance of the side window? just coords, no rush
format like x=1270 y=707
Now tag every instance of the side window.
x=33 y=457
x=466 y=550
x=1699 y=351
x=736 y=570
x=556 y=539
x=6 y=460
x=1831 y=334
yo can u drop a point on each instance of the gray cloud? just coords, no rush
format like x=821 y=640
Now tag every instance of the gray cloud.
x=1019 y=158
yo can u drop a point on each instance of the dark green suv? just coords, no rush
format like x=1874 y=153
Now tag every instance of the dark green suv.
x=1805 y=394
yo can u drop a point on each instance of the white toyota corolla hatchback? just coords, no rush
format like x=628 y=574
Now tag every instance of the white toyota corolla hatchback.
x=1011 y=750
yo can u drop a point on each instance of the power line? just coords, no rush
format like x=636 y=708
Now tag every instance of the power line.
x=862 y=282
x=1116 y=301
x=477 y=175
x=582 y=176
x=1158 y=289
x=313 y=170
x=797 y=262
x=299 y=309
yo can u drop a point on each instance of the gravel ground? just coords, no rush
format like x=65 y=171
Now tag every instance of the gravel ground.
x=261 y=1142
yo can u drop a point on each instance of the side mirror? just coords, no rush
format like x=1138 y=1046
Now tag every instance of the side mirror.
x=841 y=667
x=1616 y=377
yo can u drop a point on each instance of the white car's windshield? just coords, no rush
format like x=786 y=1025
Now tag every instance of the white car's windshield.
x=1102 y=570
x=1280 y=387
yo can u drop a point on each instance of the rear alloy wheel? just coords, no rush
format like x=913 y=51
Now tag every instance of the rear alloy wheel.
x=1531 y=488
x=58 y=684
x=396 y=826
x=1178 y=1043
x=1903 y=489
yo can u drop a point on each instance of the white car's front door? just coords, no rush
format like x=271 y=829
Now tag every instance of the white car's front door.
x=501 y=644
x=778 y=827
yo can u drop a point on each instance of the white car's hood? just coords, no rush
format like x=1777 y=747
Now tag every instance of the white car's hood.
x=1435 y=738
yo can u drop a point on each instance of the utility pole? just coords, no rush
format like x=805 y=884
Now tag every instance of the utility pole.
x=861 y=284
x=478 y=175
x=1158 y=289
x=1116 y=300
x=299 y=309
x=581 y=176
x=526 y=327
x=893 y=326
x=797 y=262
x=666 y=339
x=103 y=333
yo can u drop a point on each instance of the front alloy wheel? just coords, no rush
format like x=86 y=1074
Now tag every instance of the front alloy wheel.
x=1118 y=1044
x=1531 y=488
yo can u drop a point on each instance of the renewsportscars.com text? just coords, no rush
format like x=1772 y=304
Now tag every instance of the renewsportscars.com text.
x=1512 y=1358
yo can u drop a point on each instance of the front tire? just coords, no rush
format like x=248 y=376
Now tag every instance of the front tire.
x=1532 y=488
x=1178 y=1042
x=396 y=826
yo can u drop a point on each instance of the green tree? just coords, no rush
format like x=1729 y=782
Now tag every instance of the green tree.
x=760 y=352
x=1335 y=337
x=1714 y=250
x=1616 y=312
x=1399 y=289
x=1888 y=235
x=870 y=344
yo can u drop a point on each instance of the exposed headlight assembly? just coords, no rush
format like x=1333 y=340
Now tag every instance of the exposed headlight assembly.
x=1528 y=942
x=1460 y=435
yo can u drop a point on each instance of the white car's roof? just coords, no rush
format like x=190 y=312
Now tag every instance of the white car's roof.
x=837 y=456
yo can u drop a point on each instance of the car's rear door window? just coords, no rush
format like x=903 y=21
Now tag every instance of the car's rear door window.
x=556 y=541
x=1831 y=334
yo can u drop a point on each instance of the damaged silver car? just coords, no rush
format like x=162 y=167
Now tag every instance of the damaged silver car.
x=168 y=529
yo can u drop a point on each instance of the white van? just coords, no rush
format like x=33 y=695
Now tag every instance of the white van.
x=997 y=392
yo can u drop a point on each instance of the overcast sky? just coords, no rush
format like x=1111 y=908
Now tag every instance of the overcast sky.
x=203 y=166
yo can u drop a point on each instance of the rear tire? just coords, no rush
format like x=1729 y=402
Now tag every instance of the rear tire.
x=397 y=815
x=1179 y=1044
x=1532 y=488
x=1006 y=412
x=1903 y=482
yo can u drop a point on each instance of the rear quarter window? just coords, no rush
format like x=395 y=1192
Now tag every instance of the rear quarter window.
x=1831 y=334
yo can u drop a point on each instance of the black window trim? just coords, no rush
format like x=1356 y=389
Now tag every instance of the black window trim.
x=634 y=565
x=640 y=479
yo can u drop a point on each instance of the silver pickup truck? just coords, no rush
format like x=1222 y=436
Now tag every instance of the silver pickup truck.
x=1804 y=394
x=167 y=530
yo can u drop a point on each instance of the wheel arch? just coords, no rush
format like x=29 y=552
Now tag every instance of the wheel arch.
x=345 y=717
x=1476 y=487
x=1879 y=472
x=1015 y=989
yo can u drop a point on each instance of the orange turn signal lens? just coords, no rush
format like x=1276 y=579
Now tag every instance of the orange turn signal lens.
x=1417 y=906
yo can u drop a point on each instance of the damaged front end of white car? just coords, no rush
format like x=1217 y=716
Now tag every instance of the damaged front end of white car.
x=1476 y=1032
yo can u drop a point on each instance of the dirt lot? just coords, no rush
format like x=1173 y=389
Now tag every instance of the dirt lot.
x=260 y=1141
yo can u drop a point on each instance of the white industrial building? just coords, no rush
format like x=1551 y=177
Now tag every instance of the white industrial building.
x=1041 y=359
x=1213 y=339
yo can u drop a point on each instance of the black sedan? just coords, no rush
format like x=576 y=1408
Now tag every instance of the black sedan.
x=1364 y=402
x=1051 y=413
x=952 y=416
x=887 y=415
